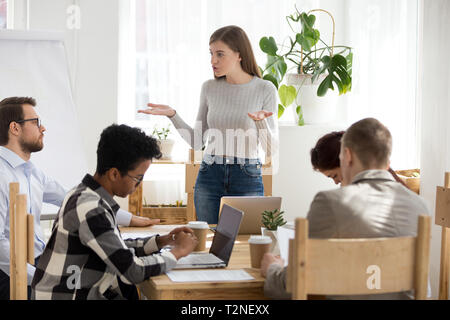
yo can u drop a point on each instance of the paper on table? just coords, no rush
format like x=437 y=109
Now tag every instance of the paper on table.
x=209 y=275
x=285 y=233
x=135 y=235
x=148 y=231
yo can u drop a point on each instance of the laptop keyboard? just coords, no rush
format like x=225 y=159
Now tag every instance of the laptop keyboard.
x=200 y=258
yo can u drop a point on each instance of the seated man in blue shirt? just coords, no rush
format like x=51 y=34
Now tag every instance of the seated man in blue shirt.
x=21 y=133
x=86 y=257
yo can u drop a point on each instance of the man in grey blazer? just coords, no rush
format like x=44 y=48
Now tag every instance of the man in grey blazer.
x=370 y=204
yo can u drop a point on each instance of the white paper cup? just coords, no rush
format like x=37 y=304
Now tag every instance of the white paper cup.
x=200 y=229
x=259 y=245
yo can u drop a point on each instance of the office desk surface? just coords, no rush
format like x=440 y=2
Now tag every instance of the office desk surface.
x=161 y=287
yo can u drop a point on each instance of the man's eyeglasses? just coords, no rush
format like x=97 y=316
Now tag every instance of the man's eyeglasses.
x=138 y=180
x=38 y=121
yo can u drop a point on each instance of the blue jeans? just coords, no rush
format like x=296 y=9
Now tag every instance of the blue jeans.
x=218 y=177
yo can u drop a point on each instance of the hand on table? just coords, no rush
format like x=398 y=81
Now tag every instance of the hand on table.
x=137 y=221
x=170 y=238
x=185 y=242
x=269 y=259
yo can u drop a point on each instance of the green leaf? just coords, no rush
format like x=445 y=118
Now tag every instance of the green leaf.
x=268 y=45
x=272 y=79
x=312 y=36
x=280 y=110
x=324 y=86
x=349 y=59
x=307 y=21
x=345 y=80
x=273 y=219
x=287 y=95
x=326 y=63
x=281 y=67
x=338 y=83
x=339 y=60
x=276 y=66
x=301 y=121
x=303 y=42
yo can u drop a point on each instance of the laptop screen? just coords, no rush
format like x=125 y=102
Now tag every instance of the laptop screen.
x=226 y=232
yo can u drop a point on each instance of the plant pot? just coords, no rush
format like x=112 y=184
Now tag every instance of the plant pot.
x=316 y=110
x=275 y=249
x=166 y=147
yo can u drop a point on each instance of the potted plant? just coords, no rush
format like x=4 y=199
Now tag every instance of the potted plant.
x=167 y=213
x=165 y=144
x=271 y=220
x=318 y=68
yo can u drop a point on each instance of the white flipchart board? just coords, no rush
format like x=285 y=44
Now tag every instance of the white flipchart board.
x=34 y=64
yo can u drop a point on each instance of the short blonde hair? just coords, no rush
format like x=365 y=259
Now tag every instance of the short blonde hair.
x=371 y=141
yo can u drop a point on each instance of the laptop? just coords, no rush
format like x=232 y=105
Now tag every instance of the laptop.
x=222 y=244
x=253 y=208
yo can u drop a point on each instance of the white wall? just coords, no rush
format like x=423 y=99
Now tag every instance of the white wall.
x=93 y=59
x=92 y=52
x=435 y=91
x=295 y=180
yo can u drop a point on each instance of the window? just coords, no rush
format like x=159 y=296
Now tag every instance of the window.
x=172 y=57
x=3 y=4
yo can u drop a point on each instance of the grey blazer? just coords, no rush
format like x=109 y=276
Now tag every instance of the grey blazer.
x=373 y=205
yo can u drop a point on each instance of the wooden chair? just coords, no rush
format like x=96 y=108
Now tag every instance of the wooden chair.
x=349 y=266
x=442 y=219
x=21 y=238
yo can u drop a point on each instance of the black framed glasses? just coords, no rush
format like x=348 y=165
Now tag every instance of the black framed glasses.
x=138 y=180
x=38 y=121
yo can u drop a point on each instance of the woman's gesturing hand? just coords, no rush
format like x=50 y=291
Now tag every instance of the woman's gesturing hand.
x=260 y=115
x=158 y=110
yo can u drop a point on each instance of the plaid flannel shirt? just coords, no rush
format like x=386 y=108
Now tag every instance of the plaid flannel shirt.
x=86 y=254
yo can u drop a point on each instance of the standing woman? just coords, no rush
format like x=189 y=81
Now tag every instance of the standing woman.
x=234 y=118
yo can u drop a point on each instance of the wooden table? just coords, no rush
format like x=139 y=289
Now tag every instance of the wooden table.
x=162 y=288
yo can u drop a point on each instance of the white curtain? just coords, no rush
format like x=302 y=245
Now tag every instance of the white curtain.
x=383 y=34
x=435 y=100
x=172 y=58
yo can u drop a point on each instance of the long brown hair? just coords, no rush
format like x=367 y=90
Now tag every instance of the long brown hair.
x=236 y=39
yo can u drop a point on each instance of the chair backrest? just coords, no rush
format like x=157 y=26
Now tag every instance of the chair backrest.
x=358 y=266
x=442 y=219
x=21 y=238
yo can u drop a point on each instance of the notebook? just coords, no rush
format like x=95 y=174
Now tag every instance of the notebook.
x=222 y=244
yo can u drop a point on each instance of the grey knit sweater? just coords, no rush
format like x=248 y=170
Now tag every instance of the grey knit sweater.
x=222 y=122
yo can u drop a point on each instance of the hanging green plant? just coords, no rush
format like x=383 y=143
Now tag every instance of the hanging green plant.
x=307 y=57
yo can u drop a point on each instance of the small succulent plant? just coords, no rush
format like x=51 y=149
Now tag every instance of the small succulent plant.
x=273 y=219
